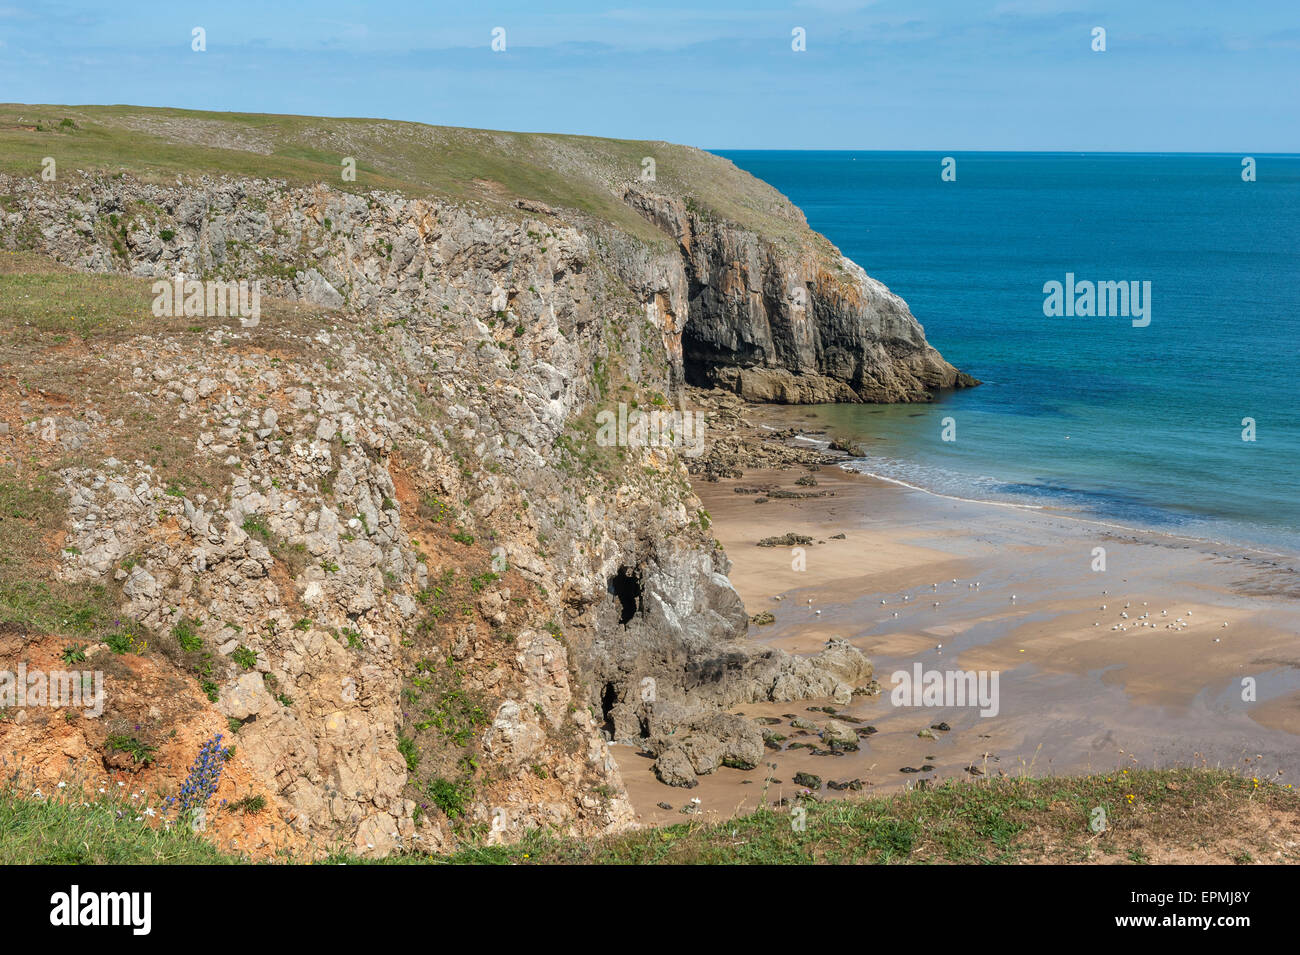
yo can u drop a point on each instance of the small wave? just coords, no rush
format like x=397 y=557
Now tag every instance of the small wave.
x=853 y=466
x=1082 y=500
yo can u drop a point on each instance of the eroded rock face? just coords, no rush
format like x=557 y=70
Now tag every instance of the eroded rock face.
x=792 y=322
x=445 y=378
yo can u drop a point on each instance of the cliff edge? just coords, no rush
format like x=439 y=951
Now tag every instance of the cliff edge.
x=376 y=528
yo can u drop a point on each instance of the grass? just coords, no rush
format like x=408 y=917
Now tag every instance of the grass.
x=442 y=703
x=451 y=796
x=105 y=831
x=30 y=595
x=126 y=640
x=999 y=821
x=486 y=167
x=141 y=753
x=991 y=822
x=245 y=657
x=187 y=636
x=44 y=303
x=249 y=805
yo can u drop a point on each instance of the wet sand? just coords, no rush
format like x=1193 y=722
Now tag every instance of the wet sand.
x=1075 y=695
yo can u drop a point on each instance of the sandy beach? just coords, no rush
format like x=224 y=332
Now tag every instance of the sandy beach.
x=1098 y=670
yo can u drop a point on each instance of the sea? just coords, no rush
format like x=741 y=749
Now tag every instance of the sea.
x=1183 y=419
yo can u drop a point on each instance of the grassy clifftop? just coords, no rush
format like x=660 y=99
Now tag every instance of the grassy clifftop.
x=474 y=165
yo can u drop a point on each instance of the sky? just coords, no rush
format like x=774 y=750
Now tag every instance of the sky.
x=1192 y=76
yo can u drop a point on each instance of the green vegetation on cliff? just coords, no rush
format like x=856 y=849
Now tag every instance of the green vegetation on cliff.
x=486 y=167
x=1151 y=816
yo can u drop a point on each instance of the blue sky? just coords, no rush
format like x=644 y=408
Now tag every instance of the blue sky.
x=1200 y=75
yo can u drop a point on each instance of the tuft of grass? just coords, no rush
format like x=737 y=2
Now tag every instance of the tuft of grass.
x=255 y=526
x=451 y=796
x=249 y=805
x=187 y=636
x=139 y=752
x=105 y=831
x=409 y=752
x=126 y=640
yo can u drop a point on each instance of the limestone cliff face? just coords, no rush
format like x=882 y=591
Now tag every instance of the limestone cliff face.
x=409 y=504
x=792 y=322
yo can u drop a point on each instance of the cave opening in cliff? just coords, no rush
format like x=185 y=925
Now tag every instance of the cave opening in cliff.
x=699 y=359
x=626 y=588
x=608 y=700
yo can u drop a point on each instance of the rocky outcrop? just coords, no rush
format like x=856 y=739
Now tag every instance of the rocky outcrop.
x=451 y=592
x=792 y=321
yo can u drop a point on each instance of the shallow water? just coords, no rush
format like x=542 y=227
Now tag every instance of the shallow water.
x=1141 y=425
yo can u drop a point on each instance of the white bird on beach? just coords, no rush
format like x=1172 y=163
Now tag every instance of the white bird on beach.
x=936 y=603
x=1013 y=596
x=817 y=612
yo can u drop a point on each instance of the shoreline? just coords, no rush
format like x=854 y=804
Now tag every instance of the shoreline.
x=1082 y=689
x=848 y=464
x=1064 y=514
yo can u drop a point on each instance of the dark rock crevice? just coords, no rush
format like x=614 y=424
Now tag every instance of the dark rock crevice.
x=791 y=321
x=626 y=588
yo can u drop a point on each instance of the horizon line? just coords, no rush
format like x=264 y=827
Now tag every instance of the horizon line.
x=988 y=149
x=713 y=149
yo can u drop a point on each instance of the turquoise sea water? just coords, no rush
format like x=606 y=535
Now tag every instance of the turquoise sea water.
x=1153 y=414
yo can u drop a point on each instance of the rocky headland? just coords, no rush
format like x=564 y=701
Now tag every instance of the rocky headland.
x=373 y=531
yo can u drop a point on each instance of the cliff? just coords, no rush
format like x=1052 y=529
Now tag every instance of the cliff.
x=376 y=524
x=793 y=321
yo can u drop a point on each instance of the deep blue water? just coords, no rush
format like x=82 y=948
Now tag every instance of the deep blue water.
x=1154 y=414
